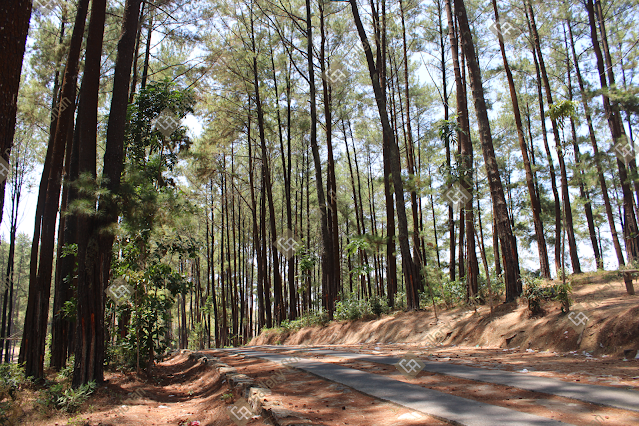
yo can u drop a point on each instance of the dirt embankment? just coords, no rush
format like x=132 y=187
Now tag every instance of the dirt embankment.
x=604 y=319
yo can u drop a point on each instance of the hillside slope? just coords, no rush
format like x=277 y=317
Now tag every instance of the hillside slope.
x=610 y=325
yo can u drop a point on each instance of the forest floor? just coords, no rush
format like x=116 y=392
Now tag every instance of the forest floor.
x=598 y=349
x=179 y=392
x=604 y=321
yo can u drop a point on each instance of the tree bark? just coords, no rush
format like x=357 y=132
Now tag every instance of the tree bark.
x=14 y=26
x=509 y=247
x=89 y=338
x=631 y=233
x=544 y=264
x=32 y=346
x=411 y=274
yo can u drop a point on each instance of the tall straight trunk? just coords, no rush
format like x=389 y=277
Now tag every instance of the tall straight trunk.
x=286 y=170
x=261 y=319
x=581 y=174
x=61 y=327
x=451 y=213
x=331 y=180
x=18 y=176
x=544 y=264
x=632 y=165
x=506 y=237
x=14 y=26
x=585 y=99
x=466 y=149
x=410 y=271
x=565 y=195
x=551 y=166
x=32 y=346
x=280 y=312
x=89 y=339
x=410 y=154
x=613 y=117
x=328 y=272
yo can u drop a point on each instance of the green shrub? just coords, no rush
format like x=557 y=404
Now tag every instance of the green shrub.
x=348 y=309
x=66 y=373
x=69 y=399
x=378 y=306
x=351 y=308
x=535 y=293
x=11 y=377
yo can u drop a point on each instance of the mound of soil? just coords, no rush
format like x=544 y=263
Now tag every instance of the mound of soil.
x=604 y=319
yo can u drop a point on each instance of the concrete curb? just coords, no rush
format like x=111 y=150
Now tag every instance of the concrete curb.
x=244 y=386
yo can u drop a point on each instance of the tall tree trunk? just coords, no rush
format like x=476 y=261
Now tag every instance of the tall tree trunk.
x=328 y=273
x=508 y=243
x=89 y=339
x=631 y=233
x=32 y=346
x=410 y=271
x=14 y=26
x=581 y=174
x=410 y=153
x=280 y=312
x=532 y=193
x=565 y=195
x=331 y=182
x=466 y=148
x=61 y=327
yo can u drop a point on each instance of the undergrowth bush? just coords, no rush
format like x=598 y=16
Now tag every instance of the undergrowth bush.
x=66 y=398
x=535 y=293
x=350 y=308
x=11 y=378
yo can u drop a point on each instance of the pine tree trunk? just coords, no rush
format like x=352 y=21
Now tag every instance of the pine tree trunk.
x=507 y=240
x=631 y=233
x=579 y=167
x=565 y=195
x=32 y=347
x=410 y=271
x=14 y=26
x=534 y=200
x=89 y=340
x=466 y=149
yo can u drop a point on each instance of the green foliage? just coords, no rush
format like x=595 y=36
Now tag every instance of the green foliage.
x=197 y=336
x=308 y=319
x=350 y=308
x=535 y=293
x=562 y=295
x=67 y=399
x=451 y=293
x=147 y=330
x=11 y=377
x=69 y=309
x=66 y=373
x=561 y=110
